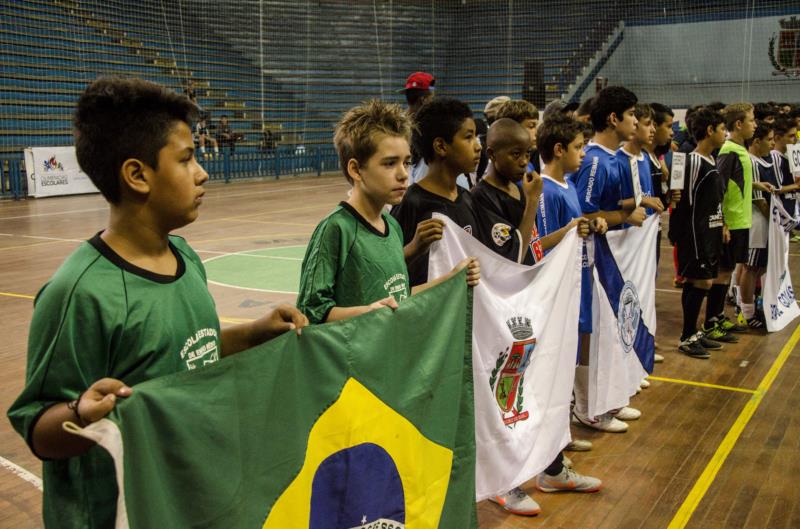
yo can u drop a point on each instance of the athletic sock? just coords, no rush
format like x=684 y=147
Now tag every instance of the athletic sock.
x=748 y=310
x=715 y=306
x=692 y=300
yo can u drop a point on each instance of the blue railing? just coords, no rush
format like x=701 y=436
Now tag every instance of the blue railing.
x=225 y=166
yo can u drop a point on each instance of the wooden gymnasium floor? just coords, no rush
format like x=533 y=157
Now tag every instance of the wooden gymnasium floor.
x=718 y=444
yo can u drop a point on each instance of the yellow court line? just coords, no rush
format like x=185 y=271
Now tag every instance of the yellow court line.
x=701 y=384
x=14 y=295
x=234 y=320
x=713 y=467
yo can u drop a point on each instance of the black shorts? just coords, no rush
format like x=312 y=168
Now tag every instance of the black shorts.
x=736 y=251
x=692 y=268
x=757 y=257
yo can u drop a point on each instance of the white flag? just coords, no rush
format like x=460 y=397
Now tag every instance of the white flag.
x=780 y=307
x=623 y=315
x=524 y=347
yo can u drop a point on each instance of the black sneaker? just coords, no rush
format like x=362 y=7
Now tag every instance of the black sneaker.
x=691 y=347
x=707 y=343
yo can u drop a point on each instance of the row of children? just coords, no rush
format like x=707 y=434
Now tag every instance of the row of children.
x=132 y=304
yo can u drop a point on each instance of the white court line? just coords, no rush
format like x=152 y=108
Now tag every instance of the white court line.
x=269 y=191
x=28 y=476
x=54 y=213
x=41 y=237
x=250 y=288
x=220 y=255
x=668 y=291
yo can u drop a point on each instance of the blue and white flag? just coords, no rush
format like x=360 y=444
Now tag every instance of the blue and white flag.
x=623 y=315
x=524 y=338
x=780 y=306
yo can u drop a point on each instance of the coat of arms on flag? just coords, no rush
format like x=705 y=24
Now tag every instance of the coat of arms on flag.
x=509 y=373
x=785 y=57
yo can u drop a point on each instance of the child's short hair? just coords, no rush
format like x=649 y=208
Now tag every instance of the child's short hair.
x=661 y=113
x=585 y=108
x=701 y=119
x=441 y=117
x=735 y=112
x=558 y=128
x=783 y=125
x=719 y=106
x=517 y=109
x=414 y=95
x=762 y=130
x=611 y=100
x=762 y=111
x=642 y=111
x=121 y=118
x=354 y=136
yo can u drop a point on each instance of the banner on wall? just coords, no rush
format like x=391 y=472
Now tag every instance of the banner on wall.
x=54 y=171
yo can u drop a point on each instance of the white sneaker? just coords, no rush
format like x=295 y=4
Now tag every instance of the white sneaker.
x=567 y=480
x=644 y=384
x=567 y=462
x=604 y=423
x=627 y=414
x=657 y=358
x=516 y=501
x=579 y=445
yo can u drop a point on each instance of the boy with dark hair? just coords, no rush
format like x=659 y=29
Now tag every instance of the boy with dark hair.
x=446 y=138
x=696 y=226
x=785 y=135
x=128 y=305
x=759 y=148
x=660 y=150
x=508 y=144
x=599 y=186
x=598 y=180
x=736 y=171
x=354 y=262
x=632 y=153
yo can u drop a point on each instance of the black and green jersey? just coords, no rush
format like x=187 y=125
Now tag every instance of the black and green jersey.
x=348 y=263
x=100 y=316
x=736 y=171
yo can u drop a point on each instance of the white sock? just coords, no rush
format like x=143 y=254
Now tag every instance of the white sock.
x=748 y=310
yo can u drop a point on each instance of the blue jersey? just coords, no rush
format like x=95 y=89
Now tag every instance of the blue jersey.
x=558 y=205
x=626 y=175
x=598 y=180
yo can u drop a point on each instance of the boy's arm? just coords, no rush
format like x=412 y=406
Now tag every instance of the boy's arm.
x=589 y=182
x=532 y=187
x=473 y=275
x=427 y=232
x=552 y=239
x=276 y=322
x=49 y=440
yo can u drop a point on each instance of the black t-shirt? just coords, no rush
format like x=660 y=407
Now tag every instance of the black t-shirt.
x=696 y=221
x=420 y=204
x=487 y=197
x=657 y=174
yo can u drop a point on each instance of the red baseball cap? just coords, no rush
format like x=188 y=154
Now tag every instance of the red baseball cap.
x=420 y=81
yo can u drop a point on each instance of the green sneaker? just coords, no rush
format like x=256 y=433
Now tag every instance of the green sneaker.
x=795 y=238
x=716 y=334
x=727 y=325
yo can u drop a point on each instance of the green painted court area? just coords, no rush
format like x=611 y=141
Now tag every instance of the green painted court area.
x=269 y=269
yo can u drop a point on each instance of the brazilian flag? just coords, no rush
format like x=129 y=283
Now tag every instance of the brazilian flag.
x=366 y=423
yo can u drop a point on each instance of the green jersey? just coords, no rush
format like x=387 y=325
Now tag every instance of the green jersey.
x=100 y=316
x=349 y=263
x=736 y=171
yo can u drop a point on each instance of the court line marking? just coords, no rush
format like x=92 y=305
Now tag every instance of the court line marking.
x=220 y=284
x=60 y=239
x=701 y=384
x=669 y=291
x=15 y=295
x=235 y=320
x=701 y=486
x=53 y=214
x=21 y=246
x=259 y=236
x=20 y=472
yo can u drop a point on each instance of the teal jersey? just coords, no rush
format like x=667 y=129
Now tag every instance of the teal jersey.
x=349 y=263
x=100 y=316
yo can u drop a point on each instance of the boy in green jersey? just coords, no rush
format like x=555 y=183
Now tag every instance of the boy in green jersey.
x=128 y=305
x=355 y=262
